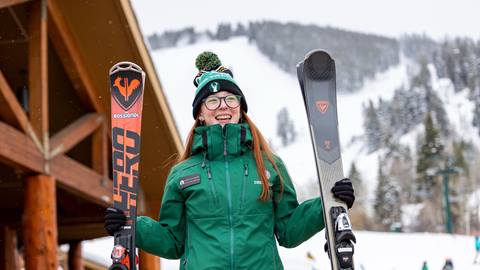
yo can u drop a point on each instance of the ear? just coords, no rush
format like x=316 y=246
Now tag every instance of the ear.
x=201 y=118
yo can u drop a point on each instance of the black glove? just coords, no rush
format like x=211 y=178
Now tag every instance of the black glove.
x=114 y=219
x=343 y=190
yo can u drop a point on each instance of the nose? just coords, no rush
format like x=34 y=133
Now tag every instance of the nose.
x=223 y=104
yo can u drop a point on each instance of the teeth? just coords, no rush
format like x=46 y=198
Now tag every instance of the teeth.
x=223 y=117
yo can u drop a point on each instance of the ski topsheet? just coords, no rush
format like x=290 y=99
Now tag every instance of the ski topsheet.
x=316 y=75
x=126 y=85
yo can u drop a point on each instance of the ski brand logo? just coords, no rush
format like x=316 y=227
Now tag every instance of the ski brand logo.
x=126 y=91
x=322 y=105
x=327 y=144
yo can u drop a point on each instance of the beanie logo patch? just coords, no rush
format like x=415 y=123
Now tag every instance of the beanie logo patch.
x=214 y=87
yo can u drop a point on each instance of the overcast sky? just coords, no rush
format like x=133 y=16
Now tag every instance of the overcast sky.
x=436 y=18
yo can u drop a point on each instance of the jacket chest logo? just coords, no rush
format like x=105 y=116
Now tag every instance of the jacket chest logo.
x=259 y=182
x=189 y=180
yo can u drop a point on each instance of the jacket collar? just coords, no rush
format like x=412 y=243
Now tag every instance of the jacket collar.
x=230 y=141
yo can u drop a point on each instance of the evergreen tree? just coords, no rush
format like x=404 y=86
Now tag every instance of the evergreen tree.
x=401 y=170
x=459 y=161
x=285 y=127
x=224 y=31
x=387 y=203
x=423 y=78
x=372 y=127
x=358 y=214
x=358 y=185
x=429 y=152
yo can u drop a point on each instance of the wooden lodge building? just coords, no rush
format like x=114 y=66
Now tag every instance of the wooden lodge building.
x=55 y=178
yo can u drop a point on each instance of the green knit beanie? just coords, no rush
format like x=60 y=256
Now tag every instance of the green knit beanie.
x=211 y=78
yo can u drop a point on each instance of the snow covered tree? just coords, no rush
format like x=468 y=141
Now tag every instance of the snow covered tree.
x=401 y=170
x=358 y=214
x=372 y=127
x=285 y=127
x=358 y=185
x=387 y=203
x=428 y=159
x=224 y=31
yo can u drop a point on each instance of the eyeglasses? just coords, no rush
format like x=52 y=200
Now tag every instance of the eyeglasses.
x=213 y=102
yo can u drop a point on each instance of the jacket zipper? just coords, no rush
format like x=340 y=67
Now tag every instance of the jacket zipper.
x=212 y=185
x=244 y=184
x=210 y=180
x=230 y=215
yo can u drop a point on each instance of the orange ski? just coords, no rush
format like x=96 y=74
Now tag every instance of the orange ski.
x=127 y=82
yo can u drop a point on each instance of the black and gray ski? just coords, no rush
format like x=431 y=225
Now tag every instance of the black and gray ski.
x=316 y=75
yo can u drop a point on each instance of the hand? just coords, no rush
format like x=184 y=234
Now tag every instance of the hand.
x=343 y=190
x=114 y=219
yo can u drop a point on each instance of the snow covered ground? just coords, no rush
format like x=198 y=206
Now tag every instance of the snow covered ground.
x=374 y=251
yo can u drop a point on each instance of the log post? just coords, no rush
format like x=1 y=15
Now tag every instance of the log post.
x=38 y=71
x=40 y=223
x=75 y=256
x=9 y=259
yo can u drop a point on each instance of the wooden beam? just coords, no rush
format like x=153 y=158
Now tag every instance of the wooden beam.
x=68 y=52
x=13 y=113
x=40 y=223
x=19 y=151
x=81 y=180
x=9 y=259
x=38 y=71
x=100 y=151
x=75 y=261
x=9 y=3
x=10 y=109
x=74 y=133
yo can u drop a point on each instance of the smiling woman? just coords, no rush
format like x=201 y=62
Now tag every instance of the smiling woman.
x=229 y=199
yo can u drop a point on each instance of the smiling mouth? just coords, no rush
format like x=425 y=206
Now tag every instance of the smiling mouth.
x=223 y=117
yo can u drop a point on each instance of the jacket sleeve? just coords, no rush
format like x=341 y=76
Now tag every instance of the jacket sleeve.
x=294 y=223
x=166 y=237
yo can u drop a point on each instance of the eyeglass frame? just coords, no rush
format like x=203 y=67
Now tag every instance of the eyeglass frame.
x=239 y=99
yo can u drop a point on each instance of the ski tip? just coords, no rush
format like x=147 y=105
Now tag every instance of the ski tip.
x=125 y=65
x=319 y=65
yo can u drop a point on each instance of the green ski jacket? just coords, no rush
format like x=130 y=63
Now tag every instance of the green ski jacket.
x=211 y=216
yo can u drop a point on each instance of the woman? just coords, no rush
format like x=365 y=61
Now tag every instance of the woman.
x=228 y=198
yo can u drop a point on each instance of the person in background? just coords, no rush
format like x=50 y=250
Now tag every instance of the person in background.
x=448 y=264
x=425 y=266
x=477 y=248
